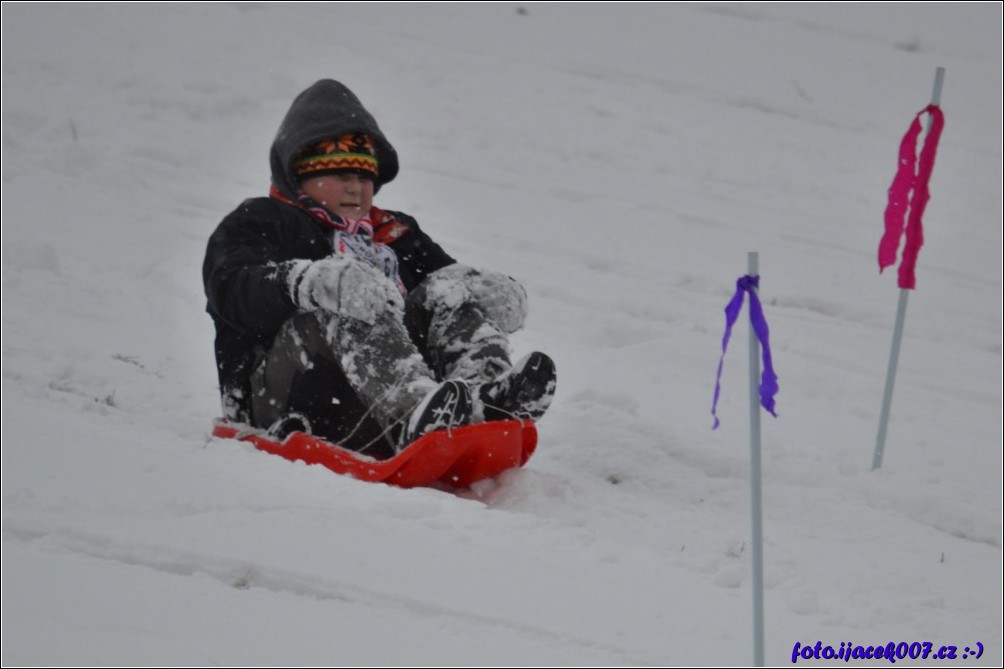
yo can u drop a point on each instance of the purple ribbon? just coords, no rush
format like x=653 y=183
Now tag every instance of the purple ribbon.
x=768 y=379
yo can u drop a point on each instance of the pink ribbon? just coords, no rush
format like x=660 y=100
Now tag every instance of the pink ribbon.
x=909 y=193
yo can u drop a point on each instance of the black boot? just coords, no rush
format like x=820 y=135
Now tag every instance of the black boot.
x=523 y=392
x=287 y=425
x=446 y=407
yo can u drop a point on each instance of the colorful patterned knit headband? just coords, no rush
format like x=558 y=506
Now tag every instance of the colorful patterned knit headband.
x=352 y=152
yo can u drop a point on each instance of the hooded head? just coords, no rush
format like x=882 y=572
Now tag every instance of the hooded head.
x=327 y=128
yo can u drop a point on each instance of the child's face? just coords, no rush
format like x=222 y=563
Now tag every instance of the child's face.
x=348 y=195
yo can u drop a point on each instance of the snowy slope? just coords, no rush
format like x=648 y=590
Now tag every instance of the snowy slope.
x=621 y=161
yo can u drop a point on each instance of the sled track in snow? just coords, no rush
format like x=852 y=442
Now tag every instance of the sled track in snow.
x=244 y=574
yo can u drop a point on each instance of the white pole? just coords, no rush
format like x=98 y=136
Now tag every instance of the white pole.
x=755 y=488
x=897 y=332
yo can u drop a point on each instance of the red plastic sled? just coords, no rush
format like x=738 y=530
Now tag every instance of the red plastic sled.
x=456 y=458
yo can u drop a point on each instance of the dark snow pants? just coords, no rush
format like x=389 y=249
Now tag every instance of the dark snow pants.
x=352 y=381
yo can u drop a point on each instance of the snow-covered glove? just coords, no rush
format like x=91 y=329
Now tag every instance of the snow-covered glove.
x=502 y=298
x=346 y=286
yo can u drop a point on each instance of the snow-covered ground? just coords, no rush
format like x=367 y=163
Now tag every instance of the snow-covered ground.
x=620 y=160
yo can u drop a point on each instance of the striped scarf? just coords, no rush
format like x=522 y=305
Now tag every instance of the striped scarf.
x=352 y=238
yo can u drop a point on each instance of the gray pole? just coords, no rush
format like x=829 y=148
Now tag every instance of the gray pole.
x=897 y=333
x=755 y=488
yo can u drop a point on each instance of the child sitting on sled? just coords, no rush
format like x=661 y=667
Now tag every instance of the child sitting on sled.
x=338 y=318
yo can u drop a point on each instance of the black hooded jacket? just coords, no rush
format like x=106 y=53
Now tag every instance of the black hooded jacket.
x=252 y=252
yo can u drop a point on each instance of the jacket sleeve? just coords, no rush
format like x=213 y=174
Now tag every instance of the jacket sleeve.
x=247 y=269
